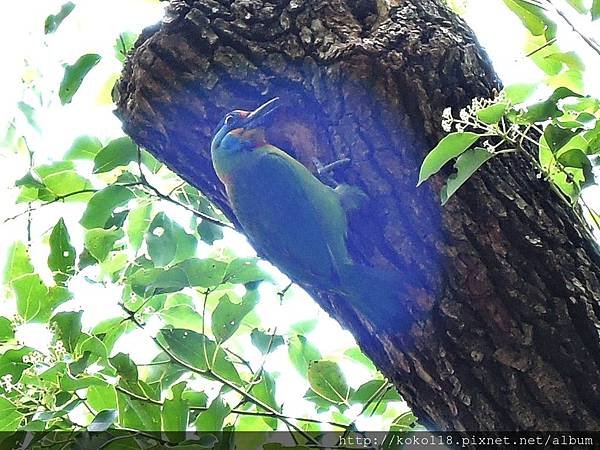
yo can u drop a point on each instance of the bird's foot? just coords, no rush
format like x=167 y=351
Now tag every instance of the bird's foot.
x=324 y=171
x=331 y=166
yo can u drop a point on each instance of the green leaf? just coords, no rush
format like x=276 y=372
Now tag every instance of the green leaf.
x=322 y=404
x=137 y=224
x=164 y=372
x=168 y=241
x=466 y=164
x=265 y=342
x=449 y=147
x=302 y=353
x=84 y=147
x=578 y=142
x=245 y=270
x=53 y=374
x=125 y=367
x=539 y=112
x=53 y=21
x=195 y=399
x=62 y=254
x=30 y=115
x=182 y=316
x=582 y=104
x=532 y=17
x=31 y=292
x=578 y=5
x=595 y=11
x=11 y=363
x=563 y=92
x=227 y=316
x=175 y=413
x=547 y=109
x=304 y=326
x=136 y=414
x=74 y=75
x=326 y=379
x=569 y=59
x=212 y=419
x=151 y=162
x=7 y=331
x=101 y=397
x=10 y=417
x=189 y=273
x=102 y=205
x=571 y=79
x=209 y=232
x=113 y=264
x=179 y=299
x=404 y=422
x=251 y=433
x=79 y=365
x=575 y=158
x=29 y=180
x=265 y=391
x=118 y=152
x=492 y=114
x=357 y=356
x=71 y=384
x=61 y=178
x=69 y=328
x=556 y=137
x=586 y=119
x=518 y=93
x=197 y=351
x=103 y=421
x=100 y=242
x=366 y=391
x=149 y=282
x=32 y=425
x=124 y=44
x=203 y=272
x=18 y=262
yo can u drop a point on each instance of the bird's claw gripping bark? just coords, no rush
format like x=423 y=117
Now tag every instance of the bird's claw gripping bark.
x=331 y=166
x=325 y=171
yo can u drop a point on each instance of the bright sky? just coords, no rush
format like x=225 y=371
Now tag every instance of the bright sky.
x=92 y=28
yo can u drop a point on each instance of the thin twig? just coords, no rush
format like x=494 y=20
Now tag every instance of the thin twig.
x=168 y=198
x=541 y=47
x=591 y=42
x=242 y=412
x=592 y=213
x=256 y=401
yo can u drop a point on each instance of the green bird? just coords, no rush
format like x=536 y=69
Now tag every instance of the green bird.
x=298 y=222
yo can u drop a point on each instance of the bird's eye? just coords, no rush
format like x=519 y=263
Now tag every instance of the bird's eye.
x=228 y=119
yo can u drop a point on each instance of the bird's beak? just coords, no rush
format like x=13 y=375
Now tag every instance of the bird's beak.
x=257 y=117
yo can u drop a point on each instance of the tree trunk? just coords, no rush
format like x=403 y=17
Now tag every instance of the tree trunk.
x=499 y=328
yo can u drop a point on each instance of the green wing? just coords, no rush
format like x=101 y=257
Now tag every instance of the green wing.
x=294 y=218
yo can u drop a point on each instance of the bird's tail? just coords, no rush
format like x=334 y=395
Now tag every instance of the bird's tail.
x=374 y=292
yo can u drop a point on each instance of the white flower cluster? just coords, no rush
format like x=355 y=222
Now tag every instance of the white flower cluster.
x=468 y=115
x=57 y=353
x=7 y=384
x=18 y=320
x=447 y=120
x=59 y=350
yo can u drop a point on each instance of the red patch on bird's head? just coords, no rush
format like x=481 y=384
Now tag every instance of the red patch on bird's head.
x=243 y=114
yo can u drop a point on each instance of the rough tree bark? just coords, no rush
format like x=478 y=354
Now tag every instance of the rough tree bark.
x=500 y=329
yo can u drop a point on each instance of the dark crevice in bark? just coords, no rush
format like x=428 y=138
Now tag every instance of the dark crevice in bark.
x=497 y=327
